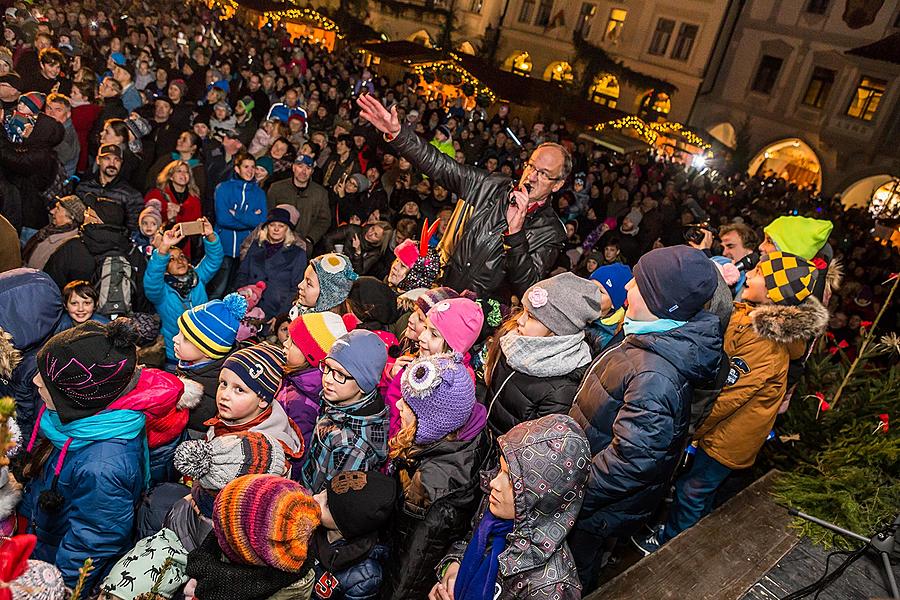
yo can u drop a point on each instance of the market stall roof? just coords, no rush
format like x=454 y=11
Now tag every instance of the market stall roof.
x=404 y=51
x=885 y=50
x=615 y=141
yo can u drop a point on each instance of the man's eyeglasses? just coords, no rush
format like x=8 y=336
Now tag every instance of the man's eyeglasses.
x=335 y=374
x=542 y=173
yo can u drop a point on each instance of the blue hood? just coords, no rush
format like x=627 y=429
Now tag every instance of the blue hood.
x=30 y=307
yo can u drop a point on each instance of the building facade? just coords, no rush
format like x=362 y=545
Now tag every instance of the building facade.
x=664 y=39
x=811 y=88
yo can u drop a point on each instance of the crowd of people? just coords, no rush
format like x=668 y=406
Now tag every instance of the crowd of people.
x=276 y=326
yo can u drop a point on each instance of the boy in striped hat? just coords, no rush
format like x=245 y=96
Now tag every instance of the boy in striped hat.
x=245 y=399
x=206 y=335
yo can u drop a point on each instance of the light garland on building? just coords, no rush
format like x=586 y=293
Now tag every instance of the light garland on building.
x=650 y=132
x=465 y=76
x=308 y=15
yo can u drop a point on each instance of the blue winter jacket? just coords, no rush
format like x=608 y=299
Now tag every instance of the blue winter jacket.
x=634 y=405
x=361 y=581
x=101 y=485
x=169 y=304
x=30 y=310
x=240 y=207
x=281 y=272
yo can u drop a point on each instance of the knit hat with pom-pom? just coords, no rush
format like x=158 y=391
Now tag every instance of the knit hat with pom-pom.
x=87 y=367
x=440 y=392
x=265 y=520
x=336 y=277
x=213 y=326
x=252 y=293
x=217 y=462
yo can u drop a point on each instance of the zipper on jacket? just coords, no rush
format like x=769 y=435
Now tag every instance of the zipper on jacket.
x=502 y=385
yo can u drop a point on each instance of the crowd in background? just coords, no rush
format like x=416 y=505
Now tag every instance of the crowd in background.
x=309 y=332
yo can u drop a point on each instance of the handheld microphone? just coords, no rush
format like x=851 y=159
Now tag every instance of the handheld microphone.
x=748 y=263
x=513 y=187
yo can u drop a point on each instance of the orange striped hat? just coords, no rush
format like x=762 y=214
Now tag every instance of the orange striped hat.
x=315 y=333
x=260 y=367
x=265 y=520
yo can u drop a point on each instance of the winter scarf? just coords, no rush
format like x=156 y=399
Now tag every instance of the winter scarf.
x=183 y=284
x=551 y=356
x=273 y=421
x=220 y=580
x=477 y=575
x=658 y=326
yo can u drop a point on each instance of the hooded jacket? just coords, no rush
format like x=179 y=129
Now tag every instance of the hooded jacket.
x=299 y=396
x=169 y=303
x=537 y=563
x=281 y=272
x=30 y=311
x=436 y=507
x=635 y=407
x=485 y=260
x=240 y=206
x=761 y=342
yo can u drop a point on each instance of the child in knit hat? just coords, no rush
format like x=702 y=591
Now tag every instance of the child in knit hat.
x=437 y=455
x=310 y=338
x=538 y=358
x=255 y=318
x=325 y=285
x=349 y=556
x=206 y=335
x=24 y=579
x=611 y=279
x=91 y=468
x=149 y=232
x=350 y=433
x=212 y=465
x=778 y=315
x=245 y=400
x=260 y=542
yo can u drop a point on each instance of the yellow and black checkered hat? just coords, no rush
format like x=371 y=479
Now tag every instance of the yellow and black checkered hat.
x=789 y=278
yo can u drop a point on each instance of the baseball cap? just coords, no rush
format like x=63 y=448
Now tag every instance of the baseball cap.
x=304 y=159
x=118 y=58
x=113 y=149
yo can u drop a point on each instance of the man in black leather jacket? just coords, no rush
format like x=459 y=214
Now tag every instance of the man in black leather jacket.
x=513 y=236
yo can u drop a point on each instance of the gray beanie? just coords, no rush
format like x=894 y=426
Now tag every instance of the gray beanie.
x=565 y=303
x=362 y=182
x=635 y=216
x=363 y=355
x=215 y=463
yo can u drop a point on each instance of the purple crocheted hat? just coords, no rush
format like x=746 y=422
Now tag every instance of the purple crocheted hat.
x=440 y=392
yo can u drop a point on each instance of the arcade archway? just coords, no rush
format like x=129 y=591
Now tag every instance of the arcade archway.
x=791 y=159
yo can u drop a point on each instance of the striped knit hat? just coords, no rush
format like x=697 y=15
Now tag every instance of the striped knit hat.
x=434 y=296
x=789 y=278
x=265 y=520
x=34 y=101
x=212 y=327
x=215 y=463
x=260 y=367
x=315 y=333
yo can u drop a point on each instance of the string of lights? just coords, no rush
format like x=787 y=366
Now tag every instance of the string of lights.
x=447 y=68
x=650 y=132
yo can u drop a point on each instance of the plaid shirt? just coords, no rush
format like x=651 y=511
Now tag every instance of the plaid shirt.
x=346 y=438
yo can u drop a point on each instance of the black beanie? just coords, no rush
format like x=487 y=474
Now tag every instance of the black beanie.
x=88 y=367
x=675 y=282
x=361 y=502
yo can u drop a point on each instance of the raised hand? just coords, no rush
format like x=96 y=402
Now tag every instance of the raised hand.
x=171 y=238
x=375 y=113
x=207 y=227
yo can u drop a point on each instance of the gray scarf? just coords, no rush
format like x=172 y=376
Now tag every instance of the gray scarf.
x=545 y=356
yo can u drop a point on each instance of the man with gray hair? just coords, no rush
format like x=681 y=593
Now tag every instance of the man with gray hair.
x=504 y=235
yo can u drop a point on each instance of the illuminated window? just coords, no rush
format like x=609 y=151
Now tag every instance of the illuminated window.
x=655 y=106
x=605 y=90
x=684 y=43
x=864 y=103
x=659 y=43
x=819 y=86
x=615 y=25
x=559 y=71
x=476 y=6
x=521 y=64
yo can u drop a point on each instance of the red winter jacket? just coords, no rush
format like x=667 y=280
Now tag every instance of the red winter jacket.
x=164 y=401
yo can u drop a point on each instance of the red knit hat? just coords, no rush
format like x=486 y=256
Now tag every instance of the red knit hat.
x=315 y=333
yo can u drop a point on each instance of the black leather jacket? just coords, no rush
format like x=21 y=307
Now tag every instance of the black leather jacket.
x=485 y=260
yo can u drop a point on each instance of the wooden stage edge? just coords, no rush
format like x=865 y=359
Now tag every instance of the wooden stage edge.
x=720 y=558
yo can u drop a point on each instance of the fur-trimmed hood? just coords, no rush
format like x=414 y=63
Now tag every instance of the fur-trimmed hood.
x=786 y=324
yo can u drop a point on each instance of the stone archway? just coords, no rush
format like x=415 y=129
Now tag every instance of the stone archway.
x=791 y=159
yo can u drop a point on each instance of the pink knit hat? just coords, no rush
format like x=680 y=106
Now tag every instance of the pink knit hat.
x=253 y=293
x=407 y=252
x=459 y=320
